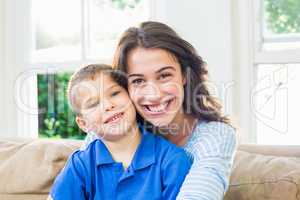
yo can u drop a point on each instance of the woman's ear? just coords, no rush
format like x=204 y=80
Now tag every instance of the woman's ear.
x=81 y=123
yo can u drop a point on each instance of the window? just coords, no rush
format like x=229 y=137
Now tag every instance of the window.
x=275 y=96
x=79 y=30
x=64 y=35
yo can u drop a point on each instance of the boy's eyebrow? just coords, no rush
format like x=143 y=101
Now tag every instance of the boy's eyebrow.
x=112 y=86
x=89 y=101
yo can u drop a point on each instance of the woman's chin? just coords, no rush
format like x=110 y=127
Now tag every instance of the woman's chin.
x=160 y=123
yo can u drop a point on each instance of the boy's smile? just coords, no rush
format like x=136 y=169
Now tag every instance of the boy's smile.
x=105 y=107
x=114 y=118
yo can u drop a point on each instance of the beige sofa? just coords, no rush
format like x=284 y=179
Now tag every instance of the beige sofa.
x=29 y=166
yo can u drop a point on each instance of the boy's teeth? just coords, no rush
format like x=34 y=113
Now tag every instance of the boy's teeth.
x=115 y=118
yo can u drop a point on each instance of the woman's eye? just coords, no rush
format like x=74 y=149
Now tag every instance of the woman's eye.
x=138 y=81
x=165 y=75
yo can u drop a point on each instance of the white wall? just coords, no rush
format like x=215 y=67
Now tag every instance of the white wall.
x=5 y=91
x=1 y=65
x=8 y=125
x=243 y=43
x=14 y=120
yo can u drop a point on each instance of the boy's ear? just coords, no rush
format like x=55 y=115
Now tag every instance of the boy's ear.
x=81 y=123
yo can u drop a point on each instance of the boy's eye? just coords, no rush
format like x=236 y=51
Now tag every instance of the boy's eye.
x=137 y=81
x=91 y=105
x=115 y=93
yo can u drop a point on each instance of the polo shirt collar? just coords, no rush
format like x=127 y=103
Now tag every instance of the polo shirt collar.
x=145 y=153
x=143 y=157
x=103 y=156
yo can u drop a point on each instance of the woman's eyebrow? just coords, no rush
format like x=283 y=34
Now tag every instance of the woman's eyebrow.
x=132 y=75
x=165 y=68
x=158 y=71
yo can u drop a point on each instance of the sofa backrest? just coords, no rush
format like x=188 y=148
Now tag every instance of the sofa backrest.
x=28 y=168
x=262 y=172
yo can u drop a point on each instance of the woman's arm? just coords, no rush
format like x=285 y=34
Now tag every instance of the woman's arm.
x=213 y=150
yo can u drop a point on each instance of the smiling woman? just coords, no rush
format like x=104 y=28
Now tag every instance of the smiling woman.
x=172 y=92
x=167 y=84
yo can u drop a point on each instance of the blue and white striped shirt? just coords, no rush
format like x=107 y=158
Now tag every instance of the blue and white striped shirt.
x=212 y=147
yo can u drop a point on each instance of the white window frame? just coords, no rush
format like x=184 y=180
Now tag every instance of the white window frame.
x=18 y=45
x=270 y=57
x=248 y=54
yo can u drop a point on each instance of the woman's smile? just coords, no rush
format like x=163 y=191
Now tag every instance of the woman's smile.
x=158 y=108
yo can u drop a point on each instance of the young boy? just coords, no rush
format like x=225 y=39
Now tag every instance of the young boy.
x=126 y=162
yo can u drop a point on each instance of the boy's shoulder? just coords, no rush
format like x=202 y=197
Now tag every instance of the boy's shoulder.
x=86 y=155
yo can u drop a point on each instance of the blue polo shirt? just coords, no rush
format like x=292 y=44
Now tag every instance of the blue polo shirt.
x=157 y=171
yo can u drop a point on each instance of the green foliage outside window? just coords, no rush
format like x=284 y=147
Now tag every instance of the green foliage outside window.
x=122 y=4
x=56 y=120
x=283 y=16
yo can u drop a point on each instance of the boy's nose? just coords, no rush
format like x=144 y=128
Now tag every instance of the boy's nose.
x=107 y=106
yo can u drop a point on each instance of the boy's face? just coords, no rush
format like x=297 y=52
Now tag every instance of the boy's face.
x=105 y=107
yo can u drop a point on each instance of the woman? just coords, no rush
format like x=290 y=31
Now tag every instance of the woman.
x=167 y=84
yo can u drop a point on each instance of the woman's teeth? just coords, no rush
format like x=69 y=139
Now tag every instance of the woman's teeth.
x=158 y=108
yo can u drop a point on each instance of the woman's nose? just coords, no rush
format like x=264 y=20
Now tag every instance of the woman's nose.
x=151 y=91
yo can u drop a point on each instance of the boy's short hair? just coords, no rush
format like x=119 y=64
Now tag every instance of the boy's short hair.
x=90 y=72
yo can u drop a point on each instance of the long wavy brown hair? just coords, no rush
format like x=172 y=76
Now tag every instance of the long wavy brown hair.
x=198 y=101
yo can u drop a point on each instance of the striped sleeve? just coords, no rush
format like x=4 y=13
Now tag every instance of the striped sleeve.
x=213 y=149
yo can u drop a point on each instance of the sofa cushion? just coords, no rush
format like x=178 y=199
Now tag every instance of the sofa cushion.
x=23 y=196
x=262 y=177
x=30 y=166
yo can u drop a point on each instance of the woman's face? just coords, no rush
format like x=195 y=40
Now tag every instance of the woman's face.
x=155 y=85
